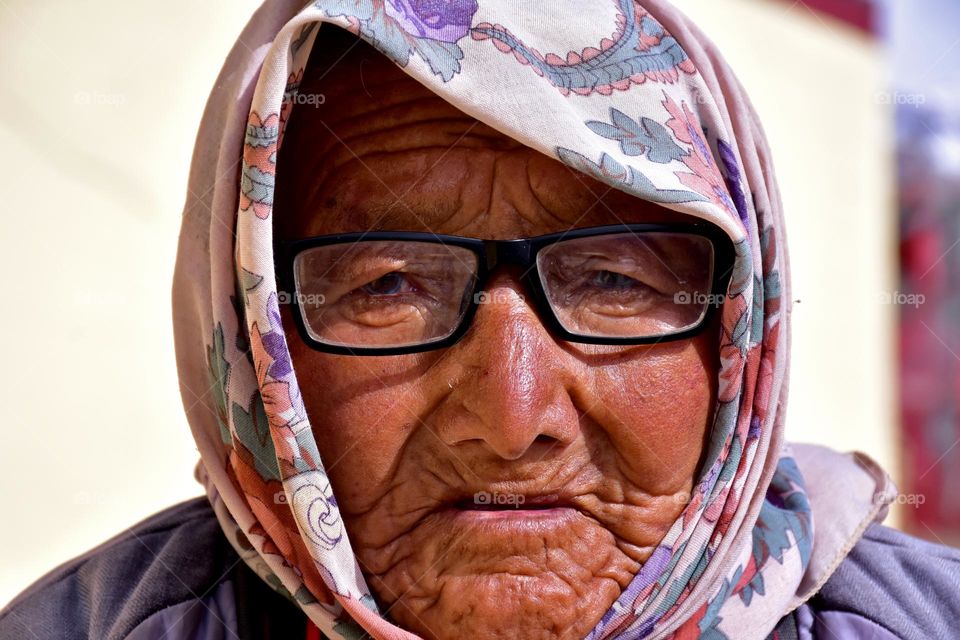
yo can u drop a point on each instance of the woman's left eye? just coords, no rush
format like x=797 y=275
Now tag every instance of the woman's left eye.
x=612 y=280
x=387 y=284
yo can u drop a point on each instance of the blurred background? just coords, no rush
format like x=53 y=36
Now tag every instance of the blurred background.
x=99 y=106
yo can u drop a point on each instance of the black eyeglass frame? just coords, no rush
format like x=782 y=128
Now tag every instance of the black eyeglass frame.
x=490 y=255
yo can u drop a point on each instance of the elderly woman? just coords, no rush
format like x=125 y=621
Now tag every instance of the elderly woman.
x=482 y=317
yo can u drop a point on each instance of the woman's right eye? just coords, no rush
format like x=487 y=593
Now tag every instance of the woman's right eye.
x=387 y=284
x=612 y=280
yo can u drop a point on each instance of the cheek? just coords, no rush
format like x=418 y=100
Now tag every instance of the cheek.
x=362 y=411
x=660 y=405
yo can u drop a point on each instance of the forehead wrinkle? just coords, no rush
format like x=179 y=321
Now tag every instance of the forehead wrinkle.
x=349 y=105
x=343 y=173
x=367 y=146
x=428 y=215
x=313 y=144
x=351 y=194
x=381 y=216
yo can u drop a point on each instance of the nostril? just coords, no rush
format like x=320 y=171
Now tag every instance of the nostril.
x=543 y=445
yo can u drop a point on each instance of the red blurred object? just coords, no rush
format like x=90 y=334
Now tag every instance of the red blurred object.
x=929 y=330
x=858 y=13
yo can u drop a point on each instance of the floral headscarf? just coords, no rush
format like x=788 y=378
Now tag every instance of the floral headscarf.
x=627 y=91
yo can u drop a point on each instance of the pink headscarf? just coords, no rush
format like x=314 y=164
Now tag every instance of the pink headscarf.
x=627 y=91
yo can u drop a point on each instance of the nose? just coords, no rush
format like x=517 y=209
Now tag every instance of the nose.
x=513 y=389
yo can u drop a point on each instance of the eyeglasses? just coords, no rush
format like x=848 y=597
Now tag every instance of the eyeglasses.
x=387 y=293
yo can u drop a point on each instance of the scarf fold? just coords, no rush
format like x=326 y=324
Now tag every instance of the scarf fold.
x=629 y=92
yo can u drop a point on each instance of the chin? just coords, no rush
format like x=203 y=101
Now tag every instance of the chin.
x=545 y=572
x=507 y=607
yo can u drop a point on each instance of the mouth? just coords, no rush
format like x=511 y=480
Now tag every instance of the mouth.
x=511 y=514
x=495 y=501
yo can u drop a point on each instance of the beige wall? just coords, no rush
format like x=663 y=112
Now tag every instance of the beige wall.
x=99 y=106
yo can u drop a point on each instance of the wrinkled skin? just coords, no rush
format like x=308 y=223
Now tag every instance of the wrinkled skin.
x=609 y=437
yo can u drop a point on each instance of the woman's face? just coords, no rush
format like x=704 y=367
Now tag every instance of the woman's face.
x=589 y=451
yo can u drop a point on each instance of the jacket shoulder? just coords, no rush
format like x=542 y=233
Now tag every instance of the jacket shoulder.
x=173 y=557
x=895 y=583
